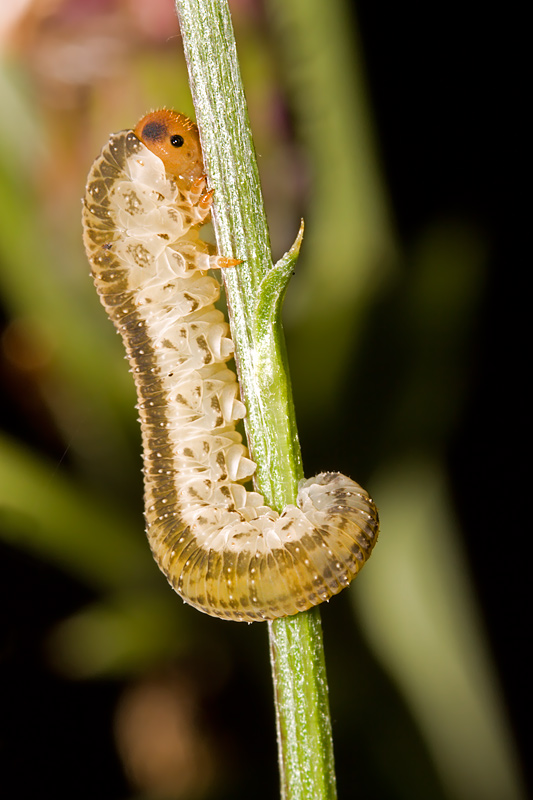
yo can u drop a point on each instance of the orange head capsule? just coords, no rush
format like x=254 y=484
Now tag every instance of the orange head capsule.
x=174 y=138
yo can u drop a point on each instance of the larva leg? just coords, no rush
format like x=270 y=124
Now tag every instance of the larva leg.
x=206 y=200
x=197 y=189
x=199 y=201
x=198 y=196
x=202 y=256
x=224 y=263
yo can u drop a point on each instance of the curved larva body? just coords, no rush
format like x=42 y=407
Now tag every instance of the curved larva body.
x=220 y=547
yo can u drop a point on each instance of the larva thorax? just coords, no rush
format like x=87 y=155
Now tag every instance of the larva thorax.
x=220 y=547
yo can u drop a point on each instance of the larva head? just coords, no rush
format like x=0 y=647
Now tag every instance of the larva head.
x=174 y=138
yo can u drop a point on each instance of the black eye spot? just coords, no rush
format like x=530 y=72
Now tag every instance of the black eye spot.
x=176 y=140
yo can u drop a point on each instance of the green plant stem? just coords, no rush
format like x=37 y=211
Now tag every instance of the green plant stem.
x=254 y=293
x=303 y=717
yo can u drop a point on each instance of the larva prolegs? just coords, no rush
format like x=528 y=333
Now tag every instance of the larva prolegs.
x=221 y=548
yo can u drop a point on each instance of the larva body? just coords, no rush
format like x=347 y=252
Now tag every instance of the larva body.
x=221 y=548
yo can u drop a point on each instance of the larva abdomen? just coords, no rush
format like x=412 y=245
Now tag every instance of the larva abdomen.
x=221 y=548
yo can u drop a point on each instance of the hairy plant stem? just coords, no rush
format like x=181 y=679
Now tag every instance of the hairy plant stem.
x=254 y=292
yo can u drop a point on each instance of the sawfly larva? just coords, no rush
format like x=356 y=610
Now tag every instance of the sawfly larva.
x=221 y=548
